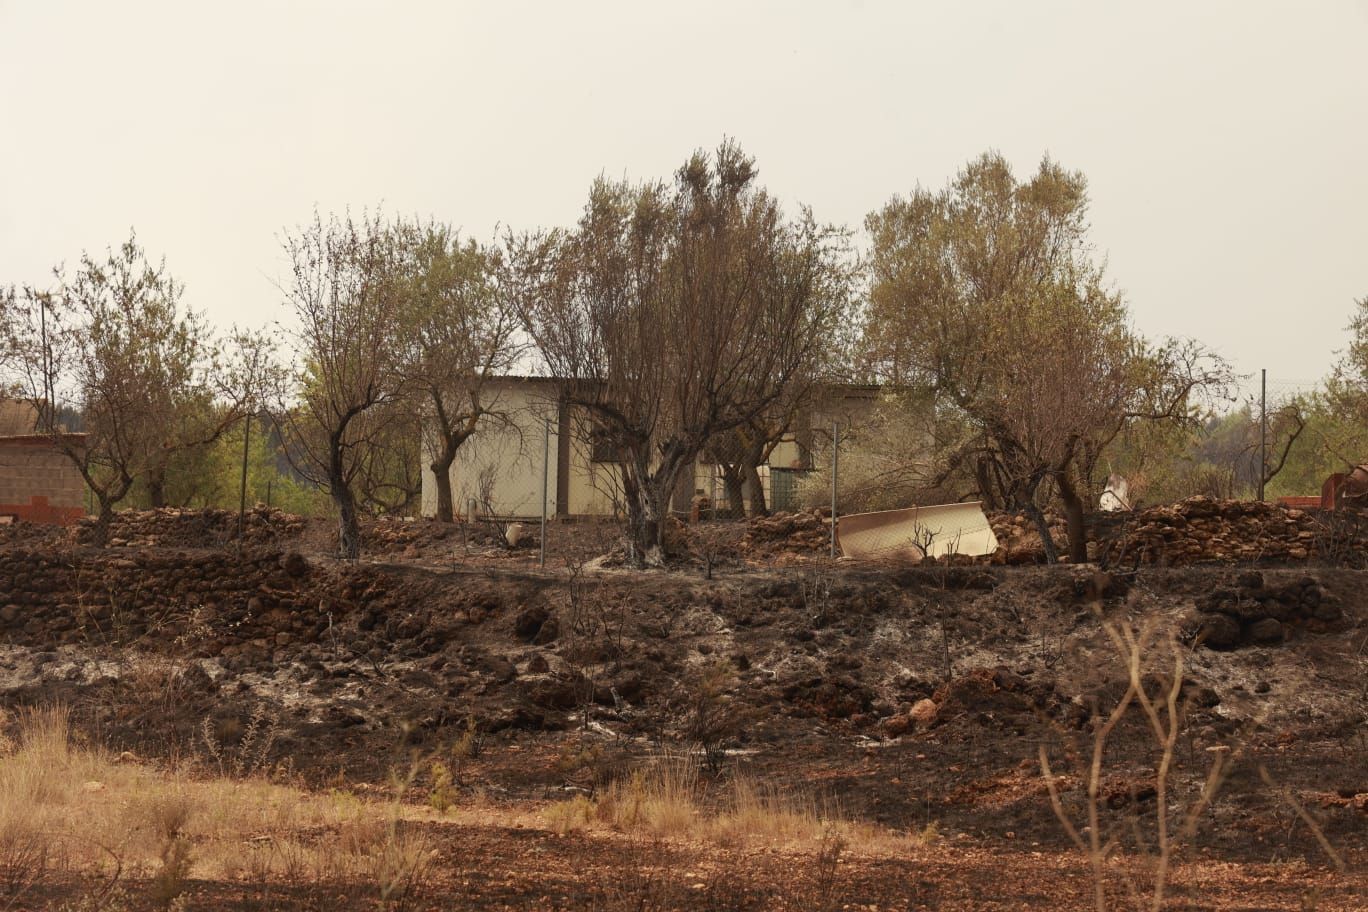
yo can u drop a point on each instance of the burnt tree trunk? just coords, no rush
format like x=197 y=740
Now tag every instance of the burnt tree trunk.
x=1075 y=518
x=734 y=481
x=348 y=519
x=156 y=488
x=1042 y=525
x=755 y=492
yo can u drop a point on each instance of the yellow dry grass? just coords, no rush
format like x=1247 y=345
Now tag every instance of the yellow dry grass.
x=666 y=799
x=74 y=808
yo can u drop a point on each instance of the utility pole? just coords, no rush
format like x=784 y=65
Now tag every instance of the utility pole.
x=546 y=474
x=835 y=464
x=1263 y=429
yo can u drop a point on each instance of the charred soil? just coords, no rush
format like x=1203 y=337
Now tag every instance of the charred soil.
x=915 y=699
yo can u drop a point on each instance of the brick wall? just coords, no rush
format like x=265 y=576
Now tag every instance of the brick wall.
x=38 y=483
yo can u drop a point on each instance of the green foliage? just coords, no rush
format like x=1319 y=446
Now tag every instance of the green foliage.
x=211 y=476
x=988 y=292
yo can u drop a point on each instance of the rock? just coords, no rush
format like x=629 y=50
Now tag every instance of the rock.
x=9 y=614
x=1204 y=696
x=295 y=565
x=1250 y=579
x=559 y=692
x=1327 y=611
x=529 y=622
x=499 y=668
x=923 y=713
x=896 y=726
x=548 y=632
x=1218 y=631
x=1266 y=630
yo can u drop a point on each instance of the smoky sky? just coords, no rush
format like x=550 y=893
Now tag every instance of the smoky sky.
x=1226 y=144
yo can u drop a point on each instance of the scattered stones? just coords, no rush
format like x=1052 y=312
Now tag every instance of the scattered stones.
x=1258 y=611
x=797 y=533
x=1207 y=530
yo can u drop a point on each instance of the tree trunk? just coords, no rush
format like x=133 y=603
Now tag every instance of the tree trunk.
x=734 y=481
x=99 y=533
x=348 y=521
x=648 y=500
x=647 y=541
x=441 y=472
x=982 y=473
x=1043 y=527
x=156 y=488
x=755 y=492
x=1074 y=517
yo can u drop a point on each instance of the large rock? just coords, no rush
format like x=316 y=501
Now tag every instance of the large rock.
x=1218 y=631
x=529 y=622
x=1266 y=630
x=923 y=713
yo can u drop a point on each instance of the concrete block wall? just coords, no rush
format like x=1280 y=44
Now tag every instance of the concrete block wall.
x=38 y=483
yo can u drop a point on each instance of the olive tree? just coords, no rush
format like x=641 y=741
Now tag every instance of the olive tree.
x=110 y=344
x=987 y=294
x=346 y=297
x=459 y=332
x=678 y=312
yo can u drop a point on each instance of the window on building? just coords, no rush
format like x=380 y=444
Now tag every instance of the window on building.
x=601 y=447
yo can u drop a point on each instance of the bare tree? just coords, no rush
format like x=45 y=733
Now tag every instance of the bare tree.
x=459 y=333
x=347 y=302
x=112 y=340
x=675 y=314
x=389 y=478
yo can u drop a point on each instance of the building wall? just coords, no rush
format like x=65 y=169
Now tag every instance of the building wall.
x=38 y=483
x=17 y=417
x=507 y=450
x=511 y=450
x=595 y=488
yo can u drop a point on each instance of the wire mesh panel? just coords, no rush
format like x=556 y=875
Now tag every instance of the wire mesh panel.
x=784 y=485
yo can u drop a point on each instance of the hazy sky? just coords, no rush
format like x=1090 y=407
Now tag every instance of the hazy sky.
x=1226 y=144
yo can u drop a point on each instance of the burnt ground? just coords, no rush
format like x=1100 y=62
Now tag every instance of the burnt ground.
x=793 y=671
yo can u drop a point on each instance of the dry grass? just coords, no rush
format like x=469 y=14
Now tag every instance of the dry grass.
x=70 y=808
x=667 y=799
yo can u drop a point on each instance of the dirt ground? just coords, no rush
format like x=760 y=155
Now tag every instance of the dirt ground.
x=914 y=699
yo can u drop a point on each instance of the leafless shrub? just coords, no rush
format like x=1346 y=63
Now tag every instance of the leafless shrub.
x=825 y=865
x=168 y=813
x=712 y=716
x=1163 y=717
x=252 y=754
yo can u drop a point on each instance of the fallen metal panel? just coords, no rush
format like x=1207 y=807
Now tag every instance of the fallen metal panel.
x=916 y=532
